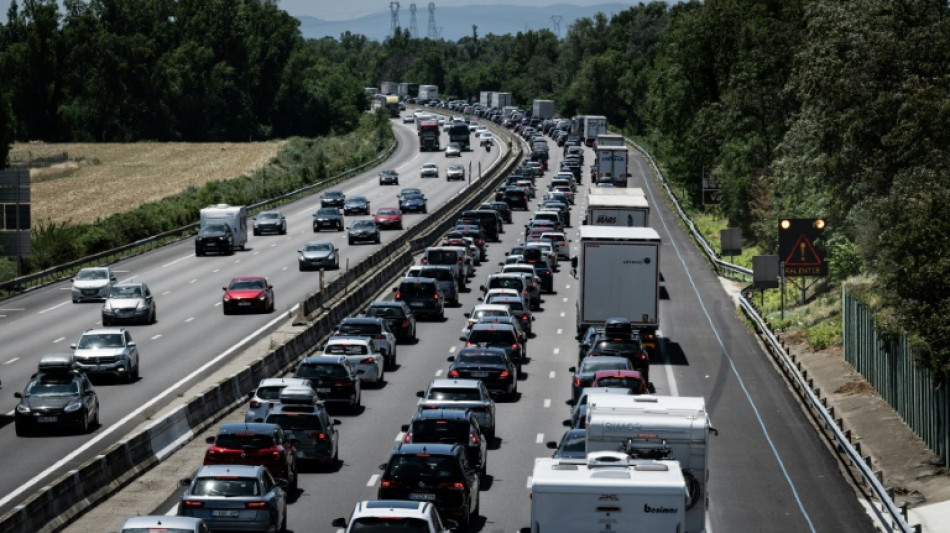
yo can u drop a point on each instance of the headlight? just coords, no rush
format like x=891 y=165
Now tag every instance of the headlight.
x=73 y=407
x=107 y=306
x=262 y=297
x=22 y=409
x=227 y=297
x=140 y=306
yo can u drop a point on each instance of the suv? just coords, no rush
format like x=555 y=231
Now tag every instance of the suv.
x=491 y=366
x=489 y=220
x=397 y=515
x=267 y=396
x=437 y=473
x=449 y=426
x=618 y=338
x=503 y=209
x=383 y=339
x=443 y=274
x=398 y=315
x=515 y=197
x=518 y=281
x=461 y=394
x=108 y=351
x=503 y=336
x=235 y=497
x=423 y=295
x=270 y=222
x=451 y=256
x=214 y=237
x=327 y=217
x=585 y=371
x=132 y=302
x=333 y=378
x=362 y=354
x=332 y=198
x=57 y=396
x=94 y=283
x=257 y=444
x=307 y=423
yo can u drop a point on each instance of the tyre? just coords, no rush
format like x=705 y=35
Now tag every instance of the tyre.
x=355 y=408
x=129 y=377
x=257 y=233
x=350 y=241
x=339 y=227
x=377 y=239
x=105 y=321
x=21 y=430
x=95 y=421
x=135 y=371
x=336 y=264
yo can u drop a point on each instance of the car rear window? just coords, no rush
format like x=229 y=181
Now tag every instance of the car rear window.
x=347 y=349
x=226 y=486
x=389 y=524
x=416 y=289
x=318 y=370
x=385 y=312
x=595 y=364
x=615 y=346
x=409 y=467
x=505 y=283
x=238 y=441
x=440 y=431
x=454 y=395
x=292 y=421
x=359 y=328
x=486 y=358
x=441 y=257
x=440 y=274
x=270 y=393
x=492 y=337
x=621 y=382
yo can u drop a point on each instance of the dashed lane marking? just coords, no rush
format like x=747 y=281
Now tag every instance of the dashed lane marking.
x=528 y=484
x=547 y=403
x=372 y=480
x=438 y=372
x=61 y=339
x=11 y=361
x=552 y=374
x=560 y=331
x=189 y=319
x=156 y=337
x=563 y=314
x=557 y=351
x=540 y=438
x=452 y=349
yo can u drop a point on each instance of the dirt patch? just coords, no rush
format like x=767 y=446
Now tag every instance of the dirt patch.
x=98 y=180
x=855 y=387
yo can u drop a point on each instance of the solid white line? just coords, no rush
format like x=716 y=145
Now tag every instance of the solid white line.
x=59 y=340
x=528 y=484
x=552 y=374
x=401 y=435
x=176 y=260
x=372 y=480
x=12 y=309
x=438 y=372
x=95 y=441
x=540 y=438
x=156 y=337
x=54 y=307
x=14 y=360
x=547 y=403
x=565 y=300
x=193 y=280
x=215 y=271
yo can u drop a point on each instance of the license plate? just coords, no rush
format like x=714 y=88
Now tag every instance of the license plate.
x=226 y=514
x=422 y=496
x=47 y=419
x=323 y=390
x=479 y=374
x=417 y=304
x=244 y=303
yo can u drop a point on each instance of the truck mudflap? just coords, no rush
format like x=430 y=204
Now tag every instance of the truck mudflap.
x=648 y=339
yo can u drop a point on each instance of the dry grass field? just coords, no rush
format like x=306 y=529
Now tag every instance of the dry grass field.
x=101 y=179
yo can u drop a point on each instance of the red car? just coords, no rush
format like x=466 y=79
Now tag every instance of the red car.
x=255 y=444
x=248 y=294
x=388 y=218
x=621 y=379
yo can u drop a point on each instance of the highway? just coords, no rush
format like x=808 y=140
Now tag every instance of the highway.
x=769 y=470
x=191 y=329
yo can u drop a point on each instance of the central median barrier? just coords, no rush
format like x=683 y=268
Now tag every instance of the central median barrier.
x=56 y=505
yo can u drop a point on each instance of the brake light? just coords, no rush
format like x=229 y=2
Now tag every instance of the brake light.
x=255 y=404
x=405 y=323
x=436 y=296
x=425 y=261
x=368 y=361
x=577 y=382
x=524 y=317
x=317 y=436
x=504 y=374
x=398 y=295
x=342 y=383
x=452 y=485
x=453 y=373
x=191 y=504
x=390 y=484
x=408 y=437
x=467 y=344
x=515 y=347
x=256 y=505
x=474 y=438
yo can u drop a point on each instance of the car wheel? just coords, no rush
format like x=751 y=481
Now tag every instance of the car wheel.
x=336 y=264
x=85 y=423
x=257 y=233
x=377 y=239
x=484 y=469
x=283 y=523
x=358 y=403
x=105 y=321
x=350 y=241
x=95 y=421
x=466 y=522
x=226 y=310
x=21 y=430
x=294 y=484
x=339 y=227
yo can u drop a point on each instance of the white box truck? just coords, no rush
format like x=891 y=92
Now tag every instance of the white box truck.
x=500 y=100
x=593 y=126
x=615 y=191
x=543 y=109
x=484 y=98
x=608 y=139
x=234 y=216
x=610 y=166
x=607 y=493
x=617 y=210
x=657 y=427
x=429 y=92
x=619 y=273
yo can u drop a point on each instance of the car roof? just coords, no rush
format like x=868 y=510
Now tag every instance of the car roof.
x=230 y=470
x=350 y=339
x=442 y=414
x=258 y=428
x=489 y=307
x=410 y=448
x=287 y=382
x=100 y=331
x=398 y=508
x=162 y=521
x=325 y=360
x=496 y=326
x=362 y=320
x=455 y=383
x=482 y=349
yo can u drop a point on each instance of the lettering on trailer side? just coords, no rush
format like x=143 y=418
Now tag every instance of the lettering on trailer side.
x=647 y=508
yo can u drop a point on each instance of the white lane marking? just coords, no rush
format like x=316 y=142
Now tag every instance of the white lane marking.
x=528 y=484
x=156 y=337
x=217 y=304
x=438 y=372
x=166 y=293
x=176 y=260
x=12 y=309
x=547 y=403
x=401 y=435
x=59 y=340
x=189 y=319
x=273 y=245
x=256 y=252
x=105 y=433
x=54 y=307
x=557 y=351
x=452 y=349
x=285 y=268
x=216 y=270
x=565 y=300
x=372 y=480
x=560 y=331
x=568 y=286
x=540 y=438
x=552 y=374
x=193 y=280
x=563 y=314
x=14 y=360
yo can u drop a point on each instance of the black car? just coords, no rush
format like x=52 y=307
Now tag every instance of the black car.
x=398 y=315
x=490 y=365
x=270 y=222
x=333 y=378
x=503 y=209
x=216 y=238
x=515 y=197
x=318 y=439
x=328 y=217
x=449 y=426
x=437 y=473
x=363 y=231
x=626 y=346
x=57 y=396
x=318 y=254
x=412 y=203
x=503 y=336
x=590 y=365
x=332 y=198
x=573 y=445
x=423 y=295
x=389 y=177
x=356 y=205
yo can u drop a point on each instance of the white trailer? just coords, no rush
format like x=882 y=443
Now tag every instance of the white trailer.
x=607 y=493
x=619 y=273
x=500 y=100
x=617 y=210
x=610 y=166
x=594 y=190
x=234 y=216
x=484 y=98
x=389 y=87
x=608 y=139
x=543 y=109
x=657 y=427
x=429 y=92
x=593 y=126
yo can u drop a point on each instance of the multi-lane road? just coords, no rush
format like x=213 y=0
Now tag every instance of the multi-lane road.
x=769 y=470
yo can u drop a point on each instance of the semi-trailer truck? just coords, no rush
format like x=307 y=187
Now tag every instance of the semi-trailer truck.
x=542 y=109
x=610 y=166
x=617 y=210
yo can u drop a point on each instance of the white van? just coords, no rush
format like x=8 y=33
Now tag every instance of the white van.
x=234 y=216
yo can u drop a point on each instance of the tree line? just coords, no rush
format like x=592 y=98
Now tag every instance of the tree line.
x=798 y=108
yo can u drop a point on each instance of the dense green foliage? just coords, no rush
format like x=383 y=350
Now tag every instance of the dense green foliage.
x=796 y=107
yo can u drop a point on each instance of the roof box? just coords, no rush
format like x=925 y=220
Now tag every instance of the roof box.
x=56 y=362
x=618 y=327
x=297 y=395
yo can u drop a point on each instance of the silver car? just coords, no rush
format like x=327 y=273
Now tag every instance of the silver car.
x=318 y=254
x=267 y=396
x=93 y=284
x=366 y=358
x=109 y=351
x=168 y=524
x=129 y=302
x=461 y=394
x=236 y=498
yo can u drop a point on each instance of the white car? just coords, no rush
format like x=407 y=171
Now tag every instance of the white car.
x=482 y=310
x=429 y=170
x=500 y=292
x=267 y=396
x=93 y=284
x=361 y=354
x=453 y=150
x=559 y=242
x=485 y=137
x=398 y=515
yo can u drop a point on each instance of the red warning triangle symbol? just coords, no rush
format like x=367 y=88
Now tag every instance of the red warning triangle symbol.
x=803 y=254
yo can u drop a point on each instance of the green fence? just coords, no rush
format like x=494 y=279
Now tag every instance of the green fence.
x=891 y=369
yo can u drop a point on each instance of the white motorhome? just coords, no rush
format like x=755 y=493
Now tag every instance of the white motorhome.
x=657 y=427
x=617 y=210
x=619 y=273
x=607 y=493
x=234 y=216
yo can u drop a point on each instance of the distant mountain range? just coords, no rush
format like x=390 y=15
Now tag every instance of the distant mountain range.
x=456 y=22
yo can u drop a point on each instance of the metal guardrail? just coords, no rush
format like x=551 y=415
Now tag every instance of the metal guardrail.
x=891 y=518
x=52 y=275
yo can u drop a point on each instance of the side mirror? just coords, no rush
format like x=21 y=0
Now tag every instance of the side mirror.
x=420 y=394
x=131 y=344
x=572 y=369
x=17 y=395
x=184 y=482
x=467 y=315
x=570 y=402
x=339 y=523
x=461 y=338
x=210 y=440
x=567 y=423
x=552 y=445
x=73 y=346
x=450 y=358
x=404 y=428
x=224 y=288
x=382 y=466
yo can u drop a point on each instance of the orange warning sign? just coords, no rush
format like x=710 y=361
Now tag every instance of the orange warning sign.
x=801 y=254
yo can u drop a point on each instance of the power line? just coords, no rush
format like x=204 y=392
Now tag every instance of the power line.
x=434 y=31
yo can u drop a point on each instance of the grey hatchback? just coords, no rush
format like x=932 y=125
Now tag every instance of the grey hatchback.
x=424 y=296
x=236 y=497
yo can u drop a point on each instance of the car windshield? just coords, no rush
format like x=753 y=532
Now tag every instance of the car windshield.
x=363 y=224
x=240 y=441
x=409 y=467
x=412 y=197
x=102 y=340
x=481 y=358
x=389 y=524
x=356 y=200
x=574 y=443
x=246 y=284
x=270 y=392
x=440 y=431
x=328 y=211
x=454 y=394
x=317 y=370
x=45 y=387
x=622 y=382
x=92 y=274
x=213 y=228
x=388 y=212
x=385 y=312
x=333 y=194
x=292 y=421
x=318 y=247
x=126 y=292
x=346 y=349
x=269 y=216
x=225 y=486
x=594 y=364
